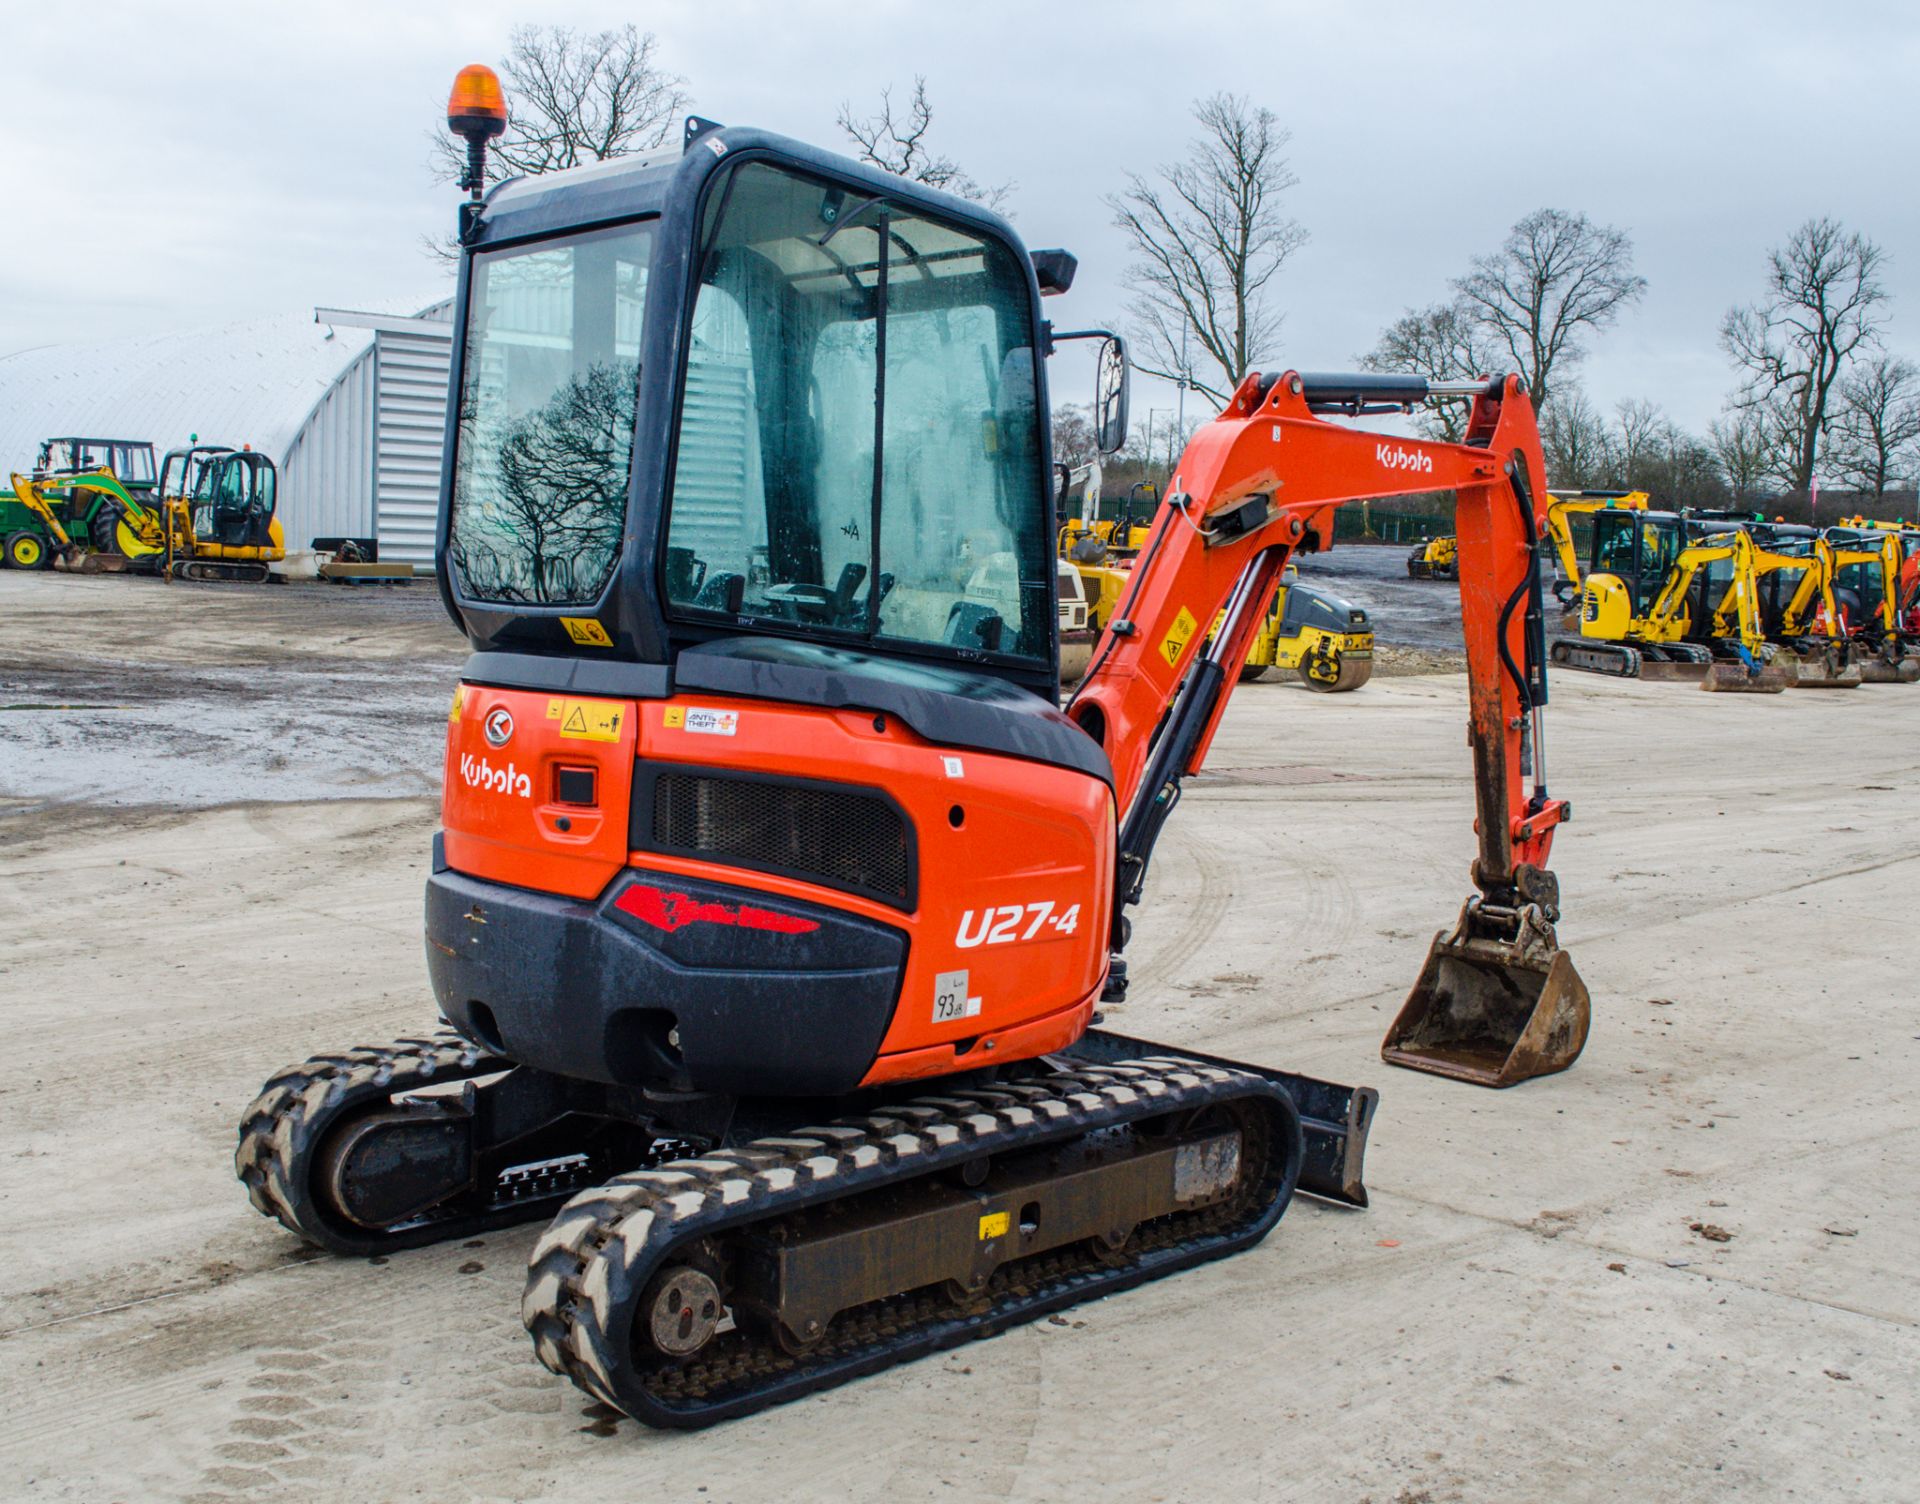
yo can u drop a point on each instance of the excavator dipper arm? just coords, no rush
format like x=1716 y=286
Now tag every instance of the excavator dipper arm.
x=1260 y=483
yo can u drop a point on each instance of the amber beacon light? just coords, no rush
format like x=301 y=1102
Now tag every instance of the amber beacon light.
x=476 y=112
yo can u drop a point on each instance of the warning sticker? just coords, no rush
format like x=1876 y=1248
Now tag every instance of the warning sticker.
x=1178 y=636
x=995 y=1225
x=587 y=632
x=702 y=722
x=459 y=697
x=588 y=720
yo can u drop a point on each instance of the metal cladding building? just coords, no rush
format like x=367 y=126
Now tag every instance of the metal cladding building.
x=351 y=406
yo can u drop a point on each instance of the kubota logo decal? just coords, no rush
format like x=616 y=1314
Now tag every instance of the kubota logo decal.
x=478 y=773
x=498 y=726
x=675 y=911
x=1393 y=457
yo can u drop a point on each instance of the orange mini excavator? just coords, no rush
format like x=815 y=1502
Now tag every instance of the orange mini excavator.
x=776 y=893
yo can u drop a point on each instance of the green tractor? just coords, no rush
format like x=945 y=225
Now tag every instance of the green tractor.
x=87 y=514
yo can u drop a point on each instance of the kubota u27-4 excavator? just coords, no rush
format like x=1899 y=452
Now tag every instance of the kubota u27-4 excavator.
x=776 y=894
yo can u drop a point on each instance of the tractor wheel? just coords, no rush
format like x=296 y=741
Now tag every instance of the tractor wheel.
x=101 y=529
x=26 y=550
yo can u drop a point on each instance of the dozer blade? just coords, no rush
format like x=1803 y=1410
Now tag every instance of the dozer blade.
x=1876 y=669
x=1497 y=1002
x=1730 y=676
x=1657 y=669
x=1828 y=668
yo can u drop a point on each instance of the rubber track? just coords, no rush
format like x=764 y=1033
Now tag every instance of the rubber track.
x=587 y=1271
x=282 y=1129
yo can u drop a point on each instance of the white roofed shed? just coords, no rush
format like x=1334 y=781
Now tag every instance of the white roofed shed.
x=351 y=406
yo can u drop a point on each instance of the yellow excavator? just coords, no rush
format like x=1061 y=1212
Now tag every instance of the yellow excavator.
x=60 y=544
x=1562 y=508
x=1637 y=615
x=1434 y=559
x=1794 y=588
x=1863 y=566
x=216 y=518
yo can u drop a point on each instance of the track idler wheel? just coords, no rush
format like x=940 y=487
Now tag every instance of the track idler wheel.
x=1497 y=1002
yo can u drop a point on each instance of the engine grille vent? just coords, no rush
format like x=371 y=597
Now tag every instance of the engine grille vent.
x=842 y=838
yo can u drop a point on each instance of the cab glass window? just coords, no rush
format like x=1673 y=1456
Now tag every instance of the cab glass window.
x=858 y=454
x=544 y=434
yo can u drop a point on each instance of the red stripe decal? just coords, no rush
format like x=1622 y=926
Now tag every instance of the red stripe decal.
x=675 y=911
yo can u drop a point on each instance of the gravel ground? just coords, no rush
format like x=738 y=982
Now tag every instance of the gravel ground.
x=1687 y=1269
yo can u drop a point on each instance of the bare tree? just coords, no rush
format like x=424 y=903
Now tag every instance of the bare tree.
x=1641 y=434
x=1876 y=430
x=1073 y=437
x=898 y=144
x=1442 y=343
x=1208 y=239
x=1822 y=306
x=574 y=98
x=1575 y=442
x=1557 y=279
x=1746 y=452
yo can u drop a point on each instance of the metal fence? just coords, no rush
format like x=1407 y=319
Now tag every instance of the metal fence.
x=1363 y=522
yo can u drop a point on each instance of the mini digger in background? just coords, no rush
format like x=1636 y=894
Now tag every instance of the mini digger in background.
x=210 y=517
x=775 y=893
x=1435 y=559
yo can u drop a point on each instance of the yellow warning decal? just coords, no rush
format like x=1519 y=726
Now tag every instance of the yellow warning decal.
x=588 y=720
x=676 y=718
x=587 y=632
x=453 y=713
x=995 y=1225
x=1178 y=636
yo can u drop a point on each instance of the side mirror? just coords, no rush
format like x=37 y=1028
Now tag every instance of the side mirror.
x=1110 y=396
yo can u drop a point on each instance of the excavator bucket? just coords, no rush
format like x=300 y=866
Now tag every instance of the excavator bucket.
x=1832 y=666
x=1491 y=1009
x=1731 y=676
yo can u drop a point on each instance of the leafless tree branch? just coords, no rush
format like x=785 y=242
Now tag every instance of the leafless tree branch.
x=1208 y=239
x=896 y=142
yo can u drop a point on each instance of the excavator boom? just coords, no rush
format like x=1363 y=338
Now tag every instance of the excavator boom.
x=1260 y=483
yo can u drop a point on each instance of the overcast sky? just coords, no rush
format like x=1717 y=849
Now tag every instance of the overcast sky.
x=257 y=158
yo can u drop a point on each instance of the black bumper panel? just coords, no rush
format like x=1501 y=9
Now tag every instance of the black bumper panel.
x=665 y=981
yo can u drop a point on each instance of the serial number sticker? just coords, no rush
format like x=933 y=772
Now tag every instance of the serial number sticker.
x=995 y=1225
x=701 y=722
x=950 y=1000
x=587 y=632
x=955 y=768
x=1178 y=636
x=587 y=720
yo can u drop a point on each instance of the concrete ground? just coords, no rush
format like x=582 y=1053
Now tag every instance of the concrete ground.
x=1525 y=1312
